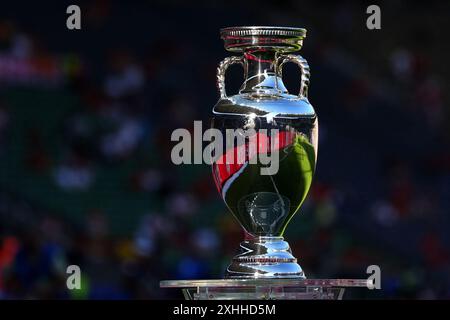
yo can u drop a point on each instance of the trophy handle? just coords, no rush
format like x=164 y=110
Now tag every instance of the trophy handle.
x=304 y=68
x=222 y=68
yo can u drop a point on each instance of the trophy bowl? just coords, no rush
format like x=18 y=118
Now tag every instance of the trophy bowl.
x=267 y=121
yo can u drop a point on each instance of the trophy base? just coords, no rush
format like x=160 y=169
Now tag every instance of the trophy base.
x=264 y=258
x=265 y=289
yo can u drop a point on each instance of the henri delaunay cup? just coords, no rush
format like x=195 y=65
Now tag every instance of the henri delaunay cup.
x=266 y=119
x=265 y=203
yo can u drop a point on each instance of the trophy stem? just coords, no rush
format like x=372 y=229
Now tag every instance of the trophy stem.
x=264 y=257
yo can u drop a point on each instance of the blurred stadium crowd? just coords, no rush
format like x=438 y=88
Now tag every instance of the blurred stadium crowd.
x=86 y=176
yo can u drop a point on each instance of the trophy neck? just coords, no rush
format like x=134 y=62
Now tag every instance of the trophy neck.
x=262 y=76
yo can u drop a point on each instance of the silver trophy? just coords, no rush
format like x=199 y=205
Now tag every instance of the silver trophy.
x=284 y=125
x=265 y=203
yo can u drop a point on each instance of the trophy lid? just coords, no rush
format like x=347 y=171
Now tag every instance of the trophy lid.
x=285 y=39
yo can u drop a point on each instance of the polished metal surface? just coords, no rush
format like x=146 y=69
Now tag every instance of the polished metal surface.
x=286 y=39
x=264 y=257
x=263 y=204
x=265 y=289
